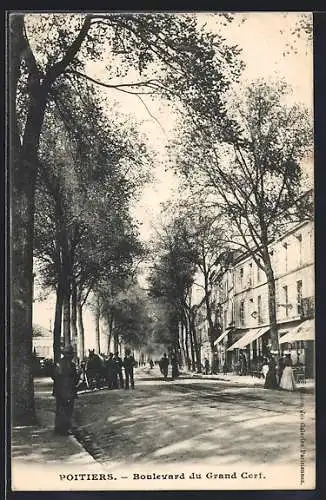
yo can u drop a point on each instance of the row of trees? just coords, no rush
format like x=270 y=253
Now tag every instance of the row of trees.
x=85 y=241
x=66 y=159
x=245 y=184
x=188 y=252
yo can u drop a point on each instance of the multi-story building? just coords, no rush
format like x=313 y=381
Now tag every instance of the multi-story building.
x=42 y=342
x=244 y=301
x=201 y=324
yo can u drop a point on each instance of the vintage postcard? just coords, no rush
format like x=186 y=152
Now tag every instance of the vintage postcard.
x=161 y=175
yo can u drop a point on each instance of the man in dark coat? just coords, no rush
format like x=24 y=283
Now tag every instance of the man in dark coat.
x=111 y=373
x=164 y=365
x=129 y=363
x=271 y=380
x=118 y=370
x=64 y=389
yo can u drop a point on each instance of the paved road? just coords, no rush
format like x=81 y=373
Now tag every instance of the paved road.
x=187 y=421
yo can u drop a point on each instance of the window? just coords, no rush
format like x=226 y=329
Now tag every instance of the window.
x=285 y=245
x=241 y=276
x=225 y=318
x=299 y=297
x=242 y=313
x=299 y=238
x=250 y=275
x=286 y=300
x=260 y=317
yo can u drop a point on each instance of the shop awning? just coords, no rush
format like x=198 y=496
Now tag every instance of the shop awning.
x=249 y=337
x=305 y=331
x=221 y=337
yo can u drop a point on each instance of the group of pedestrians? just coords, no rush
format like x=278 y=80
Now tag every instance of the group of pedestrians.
x=164 y=366
x=65 y=382
x=280 y=376
x=114 y=366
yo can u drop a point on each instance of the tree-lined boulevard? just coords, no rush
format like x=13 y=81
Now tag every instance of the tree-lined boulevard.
x=203 y=421
x=81 y=160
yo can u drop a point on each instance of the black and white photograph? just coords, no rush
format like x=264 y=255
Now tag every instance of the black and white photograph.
x=161 y=246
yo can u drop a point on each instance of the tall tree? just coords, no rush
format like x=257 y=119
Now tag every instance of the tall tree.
x=255 y=175
x=171 y=280
x=49 y=50
x=207 y=234
x=82 y=220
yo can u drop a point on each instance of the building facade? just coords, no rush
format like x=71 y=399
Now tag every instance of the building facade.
x=244 y=302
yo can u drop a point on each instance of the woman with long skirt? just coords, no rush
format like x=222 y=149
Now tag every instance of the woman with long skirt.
x=271 y=380
x=287 y=381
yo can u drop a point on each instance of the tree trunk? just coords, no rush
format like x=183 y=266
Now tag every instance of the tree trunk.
x=186 y=340
x=66 y=281
x=97 y=326
x=174 y=325
x=23 y=161
x=66 y=320
x=111 y=326
x=196 y=345
x=182 y=344
x=74 y=331
x=192 y=350
x=211 y=329
x=115 y=341
x=57 y=325
x=81 y=331
x=272 y=307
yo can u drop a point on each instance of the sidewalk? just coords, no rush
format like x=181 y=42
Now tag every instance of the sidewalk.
x=39 y=444
x=246 y=380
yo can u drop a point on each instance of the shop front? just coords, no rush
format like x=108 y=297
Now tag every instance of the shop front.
x=227 y=359
x=248 y=351
x=299 y=342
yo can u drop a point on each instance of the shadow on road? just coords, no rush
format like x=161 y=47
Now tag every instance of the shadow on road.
x=173 y=422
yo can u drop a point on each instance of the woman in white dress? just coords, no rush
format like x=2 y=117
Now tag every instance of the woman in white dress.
x=287 y=380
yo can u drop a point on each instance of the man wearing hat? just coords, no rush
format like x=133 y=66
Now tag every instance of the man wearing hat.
x=64 y=389
x=129 y=363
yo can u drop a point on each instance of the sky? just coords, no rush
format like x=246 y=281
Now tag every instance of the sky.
x=263 y=38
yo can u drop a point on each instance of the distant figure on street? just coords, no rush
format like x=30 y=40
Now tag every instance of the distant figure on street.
x=225 y=368
x=151 y=364
x=287 y=381
x=118 y=369
x=243 y=364
x=65 y=391
x=129 y=363
x=271 y=380
x=206 y=366
x=164 y=365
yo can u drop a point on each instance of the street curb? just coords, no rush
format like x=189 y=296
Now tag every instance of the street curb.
x=88 y=443
x=198 y=376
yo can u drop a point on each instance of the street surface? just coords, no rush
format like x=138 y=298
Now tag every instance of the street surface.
x=191 y=433
x=194 y=420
